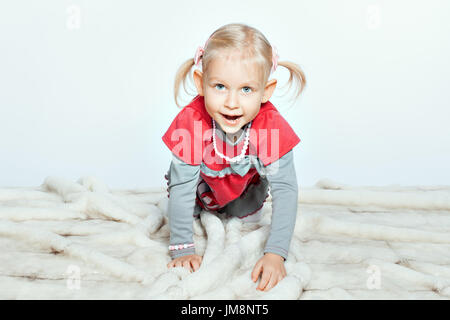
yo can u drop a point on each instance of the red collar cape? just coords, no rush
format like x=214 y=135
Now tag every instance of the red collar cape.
x=189 y=136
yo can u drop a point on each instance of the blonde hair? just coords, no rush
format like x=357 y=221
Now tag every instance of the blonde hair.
x=253 y=46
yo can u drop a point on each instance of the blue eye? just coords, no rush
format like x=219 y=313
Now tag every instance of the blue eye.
x=221 y=86
x=249 y=89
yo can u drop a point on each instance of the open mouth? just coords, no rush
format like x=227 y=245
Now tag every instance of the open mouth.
x=231 y=120
x=230 y=117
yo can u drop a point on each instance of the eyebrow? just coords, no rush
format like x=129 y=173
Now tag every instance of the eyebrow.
x=251 y=83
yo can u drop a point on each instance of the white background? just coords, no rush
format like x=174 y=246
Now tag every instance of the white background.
x=96 y=100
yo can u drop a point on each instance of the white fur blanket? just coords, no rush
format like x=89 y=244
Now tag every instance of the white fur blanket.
x=81 y=240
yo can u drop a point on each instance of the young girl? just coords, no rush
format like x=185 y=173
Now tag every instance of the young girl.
x=230 y=146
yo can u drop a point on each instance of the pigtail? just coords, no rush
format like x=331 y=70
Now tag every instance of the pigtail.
x=295 y=74
x=180 y=77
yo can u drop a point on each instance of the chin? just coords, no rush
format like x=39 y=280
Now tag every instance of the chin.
x=232 y=130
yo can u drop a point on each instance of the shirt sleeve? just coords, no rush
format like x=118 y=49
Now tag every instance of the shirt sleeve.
x=284 y=190
x=182 y=187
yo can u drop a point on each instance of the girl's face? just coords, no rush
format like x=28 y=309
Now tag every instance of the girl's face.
x=233 y=91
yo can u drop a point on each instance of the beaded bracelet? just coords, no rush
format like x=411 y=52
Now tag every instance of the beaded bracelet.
x=181 y=246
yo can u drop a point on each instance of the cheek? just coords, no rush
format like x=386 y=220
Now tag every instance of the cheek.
x=210 y=106
x=212 y=102
x=255 y=112
x=252 y=109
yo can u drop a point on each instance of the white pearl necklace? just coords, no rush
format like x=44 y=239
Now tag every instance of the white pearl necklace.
x=244 y=148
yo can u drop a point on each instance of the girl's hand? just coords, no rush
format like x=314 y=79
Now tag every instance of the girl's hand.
x=272 y=267
x=188 y=261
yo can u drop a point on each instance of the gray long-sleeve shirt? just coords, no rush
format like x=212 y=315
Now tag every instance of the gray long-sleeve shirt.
x=281 y=175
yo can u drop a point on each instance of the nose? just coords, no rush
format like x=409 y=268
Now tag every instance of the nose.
x=231 y=102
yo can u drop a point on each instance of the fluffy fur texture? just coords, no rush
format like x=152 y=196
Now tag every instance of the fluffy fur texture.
x=81 y=240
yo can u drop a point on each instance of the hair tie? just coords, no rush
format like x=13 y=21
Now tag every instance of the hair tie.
x=199 y=53
x=275 y=57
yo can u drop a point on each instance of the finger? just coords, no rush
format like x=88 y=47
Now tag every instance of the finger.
x=170 y=264
x=187 y=265
x=272 y=282
x=195 y=265
x=264 y=280
x=178 y=263
x=256 y=271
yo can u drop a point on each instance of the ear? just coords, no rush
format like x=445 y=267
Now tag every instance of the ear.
x=198 y=79
x=268 y=90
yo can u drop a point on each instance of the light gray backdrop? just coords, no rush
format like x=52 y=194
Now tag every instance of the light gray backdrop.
x=86 y=87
